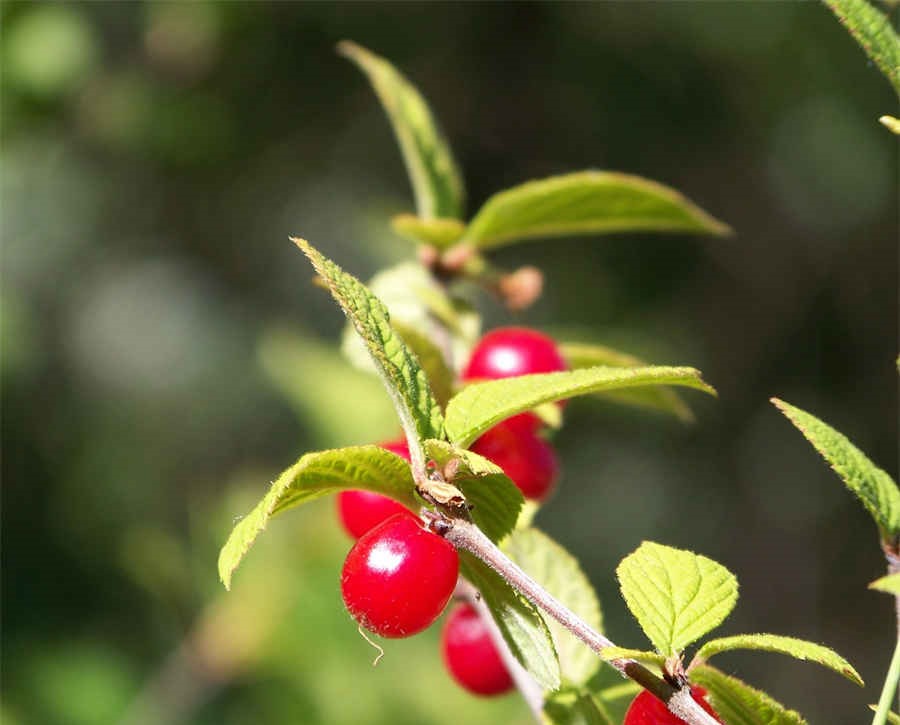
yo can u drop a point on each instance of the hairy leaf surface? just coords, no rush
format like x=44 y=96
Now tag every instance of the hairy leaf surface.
x=368 y=468
x=801 y=649
x=740 y=704
x=875 y=488
x=677 y=596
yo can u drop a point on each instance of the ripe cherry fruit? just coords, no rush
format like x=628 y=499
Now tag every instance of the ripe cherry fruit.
x=398 y=577
x=647 y=709
x=511 y=351
x=360 y=511
x=470 y=654
x=523 y=455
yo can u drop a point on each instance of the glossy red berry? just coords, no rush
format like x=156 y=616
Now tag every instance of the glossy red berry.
x=470 y=654
x=511 y=351
x=523 y=455
x=647 y=709
x=398 y=577
x=360 y=511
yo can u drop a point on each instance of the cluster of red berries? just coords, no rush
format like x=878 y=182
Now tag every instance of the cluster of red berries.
x=399 y=576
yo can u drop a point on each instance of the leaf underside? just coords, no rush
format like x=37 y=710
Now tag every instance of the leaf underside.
x=441 y=233
x=436 y=181
x=586 y=202
x=676 y=596
x=482 y=405
x=572 y=706
x=889 y=584
x=739 y=704
x=798 y=648
x=557 y=571
x=874 y=487
x=521 y=625
x=368 y=468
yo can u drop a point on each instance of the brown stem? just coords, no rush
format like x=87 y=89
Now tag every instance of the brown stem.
x=465 y=535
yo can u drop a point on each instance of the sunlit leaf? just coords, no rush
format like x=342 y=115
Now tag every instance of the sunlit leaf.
x=798 y=648
x=405 y=380
x=888 y=584
x=626 y=653
x=580 y=355
x=586 y=202
x=521 y=625
x=436 y=181
x=495 y=500
x=363 y=467
x=738 y=703
x=891 y=123
x=482 y=405
x=875 y=488
x=557 y=571
x=676 y=596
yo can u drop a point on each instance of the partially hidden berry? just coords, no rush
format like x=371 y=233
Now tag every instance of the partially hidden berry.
x=512 y=351
x=361 y=511
x=470 y=655
x=398 y=577
x=647 y=709
x=525 y=457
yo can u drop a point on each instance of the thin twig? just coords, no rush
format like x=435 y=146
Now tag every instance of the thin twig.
x=465 y=535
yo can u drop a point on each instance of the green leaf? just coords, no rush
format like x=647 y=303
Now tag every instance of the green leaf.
x=441 y=233
x=420 y=414
x=889 y=584
x=436 y=181
x=572 y=706
x=521 y=625
x=619 y=692
x=557 y=571
x=431 y=359
x=677 y=596
x=482 y=405
x=875 y=488
x=873 y=31
x=495 y=500
x=798 y=648
x=368 y=468
x=739 y=704
x=586 y=202
x=416 y=300
x=579 y=355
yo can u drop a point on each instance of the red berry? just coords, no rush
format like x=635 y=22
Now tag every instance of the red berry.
x=524 y=456
x=360 y=511
x=398 y=577
x=511 y=351
x=647 y=709
x=470 y=654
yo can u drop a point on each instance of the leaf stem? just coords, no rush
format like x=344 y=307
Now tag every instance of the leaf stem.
x=465 y=535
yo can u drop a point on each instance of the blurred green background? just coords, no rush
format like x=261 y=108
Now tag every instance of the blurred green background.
x=164 y=354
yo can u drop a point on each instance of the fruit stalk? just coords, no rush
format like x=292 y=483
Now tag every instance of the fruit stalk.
x=465 y=535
